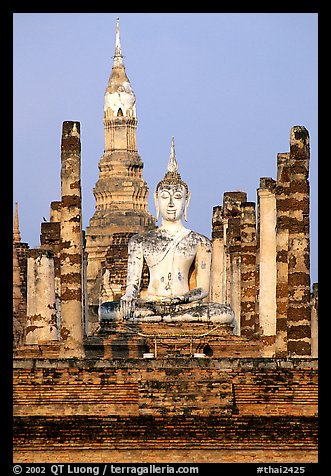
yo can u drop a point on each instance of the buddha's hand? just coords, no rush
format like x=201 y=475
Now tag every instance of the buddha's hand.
x=127 y=305
x=195 y=295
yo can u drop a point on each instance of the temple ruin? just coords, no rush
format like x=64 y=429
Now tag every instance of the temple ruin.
x=160 y=392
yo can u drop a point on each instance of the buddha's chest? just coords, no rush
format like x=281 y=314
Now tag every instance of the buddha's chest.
x=169 y=254
x=169 y=273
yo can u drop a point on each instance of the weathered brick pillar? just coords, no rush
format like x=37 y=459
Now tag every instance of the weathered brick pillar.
x=71 y=244
x=41 y=315
x=248 y=270
x=50 y=240
x=267 y=265
x=314 y=321
x=17 y=292
x=55 y=219
x=217 y=277
x=19 y=307
x=283 y=213
x=235 y=296
x=234 y=272
x=299 y=320
x=232 y=202
x=55 y=212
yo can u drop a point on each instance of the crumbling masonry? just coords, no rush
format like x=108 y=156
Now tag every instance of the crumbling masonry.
x=263 y=270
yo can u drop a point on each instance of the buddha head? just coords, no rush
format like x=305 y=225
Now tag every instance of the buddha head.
x=172 y=195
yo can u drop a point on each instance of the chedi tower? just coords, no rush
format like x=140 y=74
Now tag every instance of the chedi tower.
x=120 y=192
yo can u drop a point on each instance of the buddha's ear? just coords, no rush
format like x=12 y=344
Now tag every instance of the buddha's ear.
x=187 y=202
x=156 y=206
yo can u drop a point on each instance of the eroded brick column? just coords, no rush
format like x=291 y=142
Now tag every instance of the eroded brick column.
x=299 y=319
x=55 y=212
x=19 y=307
x=235 y=296
x=41 y=315
x=248 y=269
x=283 y=221
x=71 y=243
x=314 y=320
x=50 y=240
x=267 y=265
x=232 y=202
x=217 y=279
x=234 y=270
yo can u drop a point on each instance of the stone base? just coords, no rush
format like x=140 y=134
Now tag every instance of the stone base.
x=181 y=339
x=47 y=349
x=123 y=341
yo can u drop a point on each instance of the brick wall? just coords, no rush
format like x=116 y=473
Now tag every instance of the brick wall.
x=22 y=250
x=116 y=262
x=186 y=409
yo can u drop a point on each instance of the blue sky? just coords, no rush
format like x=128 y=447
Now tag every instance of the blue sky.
x=227 y=86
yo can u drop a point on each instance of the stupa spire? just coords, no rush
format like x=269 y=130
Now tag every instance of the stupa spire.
x=16 y=233
x=120 y=99
x=120 y=204
x=118 y=57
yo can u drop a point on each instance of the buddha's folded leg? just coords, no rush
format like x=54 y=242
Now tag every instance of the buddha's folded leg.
x=196 y=311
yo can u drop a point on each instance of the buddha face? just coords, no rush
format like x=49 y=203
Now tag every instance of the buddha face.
x=172 y=201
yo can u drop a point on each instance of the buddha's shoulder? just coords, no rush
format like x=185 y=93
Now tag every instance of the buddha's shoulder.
x=200 y=239
x=153 y=236
x=141 y=238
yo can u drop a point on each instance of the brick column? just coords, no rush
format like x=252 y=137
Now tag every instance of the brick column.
x=232 y=202
x=234 y=271
x=248 y=270
x=50 y=240
x=314 y=321
x=71 y=244
x=267 y=265
x=283 y=212
x=55 y=212
x=299 y=319
x=17 y=292
x=41 y=315
x=217 y=278
x=235 y=292
x=19 y=304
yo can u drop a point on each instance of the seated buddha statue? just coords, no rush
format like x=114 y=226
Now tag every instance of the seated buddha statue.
x=169 y=252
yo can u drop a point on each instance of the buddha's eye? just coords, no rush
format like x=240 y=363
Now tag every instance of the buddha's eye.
x=164 y=195
x=178 y=195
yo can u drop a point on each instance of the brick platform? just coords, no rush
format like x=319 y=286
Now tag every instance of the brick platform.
x=165 y=410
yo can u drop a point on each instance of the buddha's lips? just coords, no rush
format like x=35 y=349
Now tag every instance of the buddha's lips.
x=171 y=212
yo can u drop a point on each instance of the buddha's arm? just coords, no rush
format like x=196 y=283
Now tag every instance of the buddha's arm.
x=135 y=266
x=202 y=266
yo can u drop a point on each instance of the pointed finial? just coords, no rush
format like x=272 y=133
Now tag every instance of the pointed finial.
x=16 y=233
x=172 y=164
x=118 y=57
x=118 y=40
x=172 y=176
